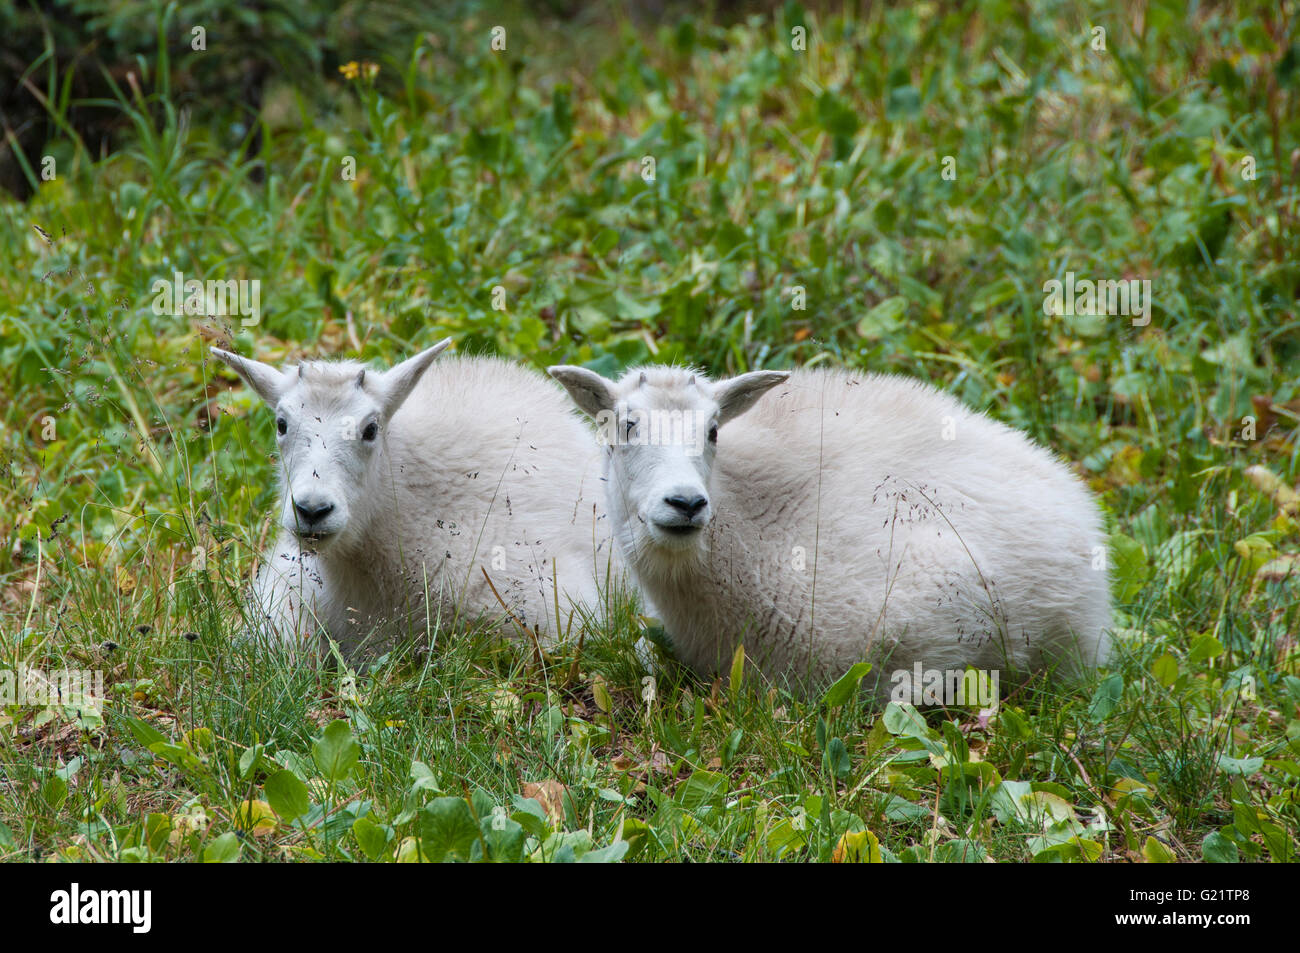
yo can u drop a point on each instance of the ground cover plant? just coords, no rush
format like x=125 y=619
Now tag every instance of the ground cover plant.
x=891 y=188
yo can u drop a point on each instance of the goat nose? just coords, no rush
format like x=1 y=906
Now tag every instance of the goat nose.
x=312 y=512
x=690 y=505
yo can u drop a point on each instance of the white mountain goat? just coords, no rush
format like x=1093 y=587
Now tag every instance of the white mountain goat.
x=417 y=480
x=845 y=518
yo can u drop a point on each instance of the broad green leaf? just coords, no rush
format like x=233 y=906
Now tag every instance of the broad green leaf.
x=447 y=829
x=157 y=829
x=563 y=847
x=702 y=789
x=251 y=761
x=1017 y=800
x=836 y=758
x=1242 y=766
x=1072 y=851
x=287 y=795
x=371 y=837
x=904 y=719
x=897 y=809
x=605 y=855
x=785 y=836
x=1165 y=670
x=1204 y=648
x=846 y=686
x=223 y=850
x=1106 y=698
x=960 y=851
x=606 y=240
x=732 y=746
x=1217 y=849
x=143 y=732
x=1177 y=555
x=1130 y=567
x=883 y=319
x=336 y=751
x=422 y=778
x=504 y=838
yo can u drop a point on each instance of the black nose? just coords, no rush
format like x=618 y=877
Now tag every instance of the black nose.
x=688 y=505
x=313 y=512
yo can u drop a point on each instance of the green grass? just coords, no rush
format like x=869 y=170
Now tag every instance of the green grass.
x=136 y=485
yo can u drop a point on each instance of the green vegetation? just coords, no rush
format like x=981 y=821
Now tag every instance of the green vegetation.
x=136 y=485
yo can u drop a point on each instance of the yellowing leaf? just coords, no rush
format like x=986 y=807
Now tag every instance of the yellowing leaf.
x=1165 y=669
x=600 y=693
x=505 y=706
x=1277 y=570
x=550 y=794
x=1155 y=852
x=857 y=847
x=256 y=818
x=1124 y=466
x=1253 y=546
x=199 y=739
x=1265 y=480
x=737 y=669
x=408 y=852
x=125 y=581
x=1126 y=787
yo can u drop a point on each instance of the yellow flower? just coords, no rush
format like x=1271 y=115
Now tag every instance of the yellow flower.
x=353 y=70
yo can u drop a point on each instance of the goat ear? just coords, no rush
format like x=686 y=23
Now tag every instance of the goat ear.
x=401 y=379
x=591 y=392
x=737 y=394
x=269 y=382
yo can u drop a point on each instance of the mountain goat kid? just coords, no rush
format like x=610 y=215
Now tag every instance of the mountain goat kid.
x=412 y=482
x=845 y=518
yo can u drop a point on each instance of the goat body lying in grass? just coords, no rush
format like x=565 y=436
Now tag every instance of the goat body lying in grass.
x=842 y=518
x=400 y=489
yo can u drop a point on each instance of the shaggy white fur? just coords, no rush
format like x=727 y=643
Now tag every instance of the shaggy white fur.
x=847 y=517
x=412 y=482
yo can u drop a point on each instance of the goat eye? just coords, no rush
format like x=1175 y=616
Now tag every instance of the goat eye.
x=713 y=434
x=281 y=426
x=370 y=432
x=631 y=425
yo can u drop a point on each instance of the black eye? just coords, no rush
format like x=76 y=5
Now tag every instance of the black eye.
x=713 y=434
x=370 y=432
x=281 y=426
x=631 y=425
